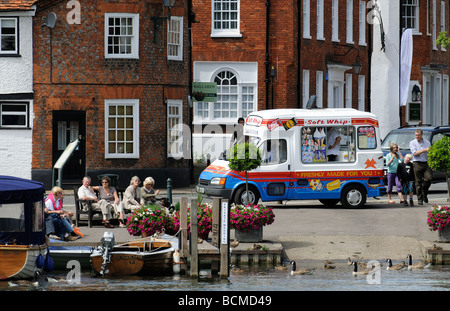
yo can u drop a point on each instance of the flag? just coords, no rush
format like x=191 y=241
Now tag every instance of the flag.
x=406 y=53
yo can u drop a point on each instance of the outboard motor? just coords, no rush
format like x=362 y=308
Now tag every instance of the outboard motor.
x=106 y=244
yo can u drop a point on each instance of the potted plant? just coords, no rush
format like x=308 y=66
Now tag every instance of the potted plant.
x=439 y=220
x=439 y=159
x=148 y=220
x=249 y=220
x=244 y=157
x=204 y=220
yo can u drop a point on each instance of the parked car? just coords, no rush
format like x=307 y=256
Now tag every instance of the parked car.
x=403 y=136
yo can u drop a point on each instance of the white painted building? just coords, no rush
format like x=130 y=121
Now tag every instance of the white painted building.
x=16 y=91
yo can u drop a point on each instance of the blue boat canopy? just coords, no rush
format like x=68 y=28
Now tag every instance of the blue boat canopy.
x=21 y=211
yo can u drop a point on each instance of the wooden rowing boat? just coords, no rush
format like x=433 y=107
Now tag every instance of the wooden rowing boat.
x=19 y=261
x=146 y=256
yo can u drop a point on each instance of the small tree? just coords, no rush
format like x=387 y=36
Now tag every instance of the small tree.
x=244 y=157
x=443 y=40
x=439 y=159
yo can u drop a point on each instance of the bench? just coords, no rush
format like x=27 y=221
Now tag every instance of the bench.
x=86 y=208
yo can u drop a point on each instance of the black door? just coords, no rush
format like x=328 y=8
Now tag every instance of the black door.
x=67 y=127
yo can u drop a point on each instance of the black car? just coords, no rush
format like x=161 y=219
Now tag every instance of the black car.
x=404 y=135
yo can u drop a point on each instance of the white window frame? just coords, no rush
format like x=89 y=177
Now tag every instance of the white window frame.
x=445 y=103
x=348 y=90
x=135 y=140
x=306 y=19
x=362 y=23
x=247 y=76
x=175 y=38
x=228 y=31
x=134 y=37
x=349 y=20
x=24 y=114
x=415 y=15
x=335 y=20
x=361 y=92
x=319 y=89
x=175 y=132
x=305 y=88
x=16 y=35
x=320 y=20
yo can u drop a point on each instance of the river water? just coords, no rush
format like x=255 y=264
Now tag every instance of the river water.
x=256 y=279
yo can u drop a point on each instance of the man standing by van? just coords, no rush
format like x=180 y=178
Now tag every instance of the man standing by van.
x=333 y=143
x=419 y=149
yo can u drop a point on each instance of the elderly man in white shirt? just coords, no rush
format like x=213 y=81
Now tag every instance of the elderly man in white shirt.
x=85 y=192
x=419 y=149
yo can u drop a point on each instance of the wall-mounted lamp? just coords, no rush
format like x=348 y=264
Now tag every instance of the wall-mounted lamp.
x=416 y=93
x=357 y=65
x=157 y=19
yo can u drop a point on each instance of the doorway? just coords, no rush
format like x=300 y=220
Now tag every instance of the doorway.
x=67 y=127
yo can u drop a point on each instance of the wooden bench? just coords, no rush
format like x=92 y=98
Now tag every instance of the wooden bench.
x=86 y=208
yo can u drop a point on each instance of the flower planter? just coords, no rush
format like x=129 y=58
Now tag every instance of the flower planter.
x=444 y=235
x=249 y=236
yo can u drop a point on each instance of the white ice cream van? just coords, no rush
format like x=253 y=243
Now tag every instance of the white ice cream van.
x=299 y=162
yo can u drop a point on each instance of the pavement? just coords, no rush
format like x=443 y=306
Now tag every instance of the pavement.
x=309 y=231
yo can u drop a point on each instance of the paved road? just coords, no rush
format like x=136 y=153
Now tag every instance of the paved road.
x=310 y=231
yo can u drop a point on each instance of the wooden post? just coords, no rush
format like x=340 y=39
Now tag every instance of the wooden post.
x=184 y=227
x=216 y=222
x=225 y=240
x=194 y=239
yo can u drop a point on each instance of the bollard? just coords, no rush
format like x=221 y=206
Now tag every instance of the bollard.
x=169 y=190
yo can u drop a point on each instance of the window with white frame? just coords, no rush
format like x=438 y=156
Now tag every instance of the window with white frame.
x=9 y=35
x=14 y=114
x=410 y=14
x=225 y=18
x=362 y=23
x=361 y=92
x=319 y=89
x=348 y=90
x=175 y=38
x=306 y=19
x=335 y=20
x=236 y=92
x=122 y=128
x=320 y=20
x=305 y=88
x=121 y=35
x=175 y=128
x=349 y=21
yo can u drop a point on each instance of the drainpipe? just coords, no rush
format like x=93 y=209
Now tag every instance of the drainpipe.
x=267 y=79
x=299 y=58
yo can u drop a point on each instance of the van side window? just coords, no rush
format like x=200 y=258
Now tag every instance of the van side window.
x=273 y=151
x=366 y=137
x=314 y=144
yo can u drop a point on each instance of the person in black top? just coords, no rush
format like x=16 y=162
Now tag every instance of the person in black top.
x=405 y=173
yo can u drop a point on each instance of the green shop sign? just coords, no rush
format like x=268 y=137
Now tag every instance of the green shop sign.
x=204 y=91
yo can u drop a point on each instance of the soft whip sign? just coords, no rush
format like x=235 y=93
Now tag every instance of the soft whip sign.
x=328 y=122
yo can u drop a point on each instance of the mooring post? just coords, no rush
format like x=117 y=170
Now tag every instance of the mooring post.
x=194 y=239
x=184 y=226
x=169 y=190
x=225 y=240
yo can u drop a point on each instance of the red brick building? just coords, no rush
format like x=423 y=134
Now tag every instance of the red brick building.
x=268 y=54
x=115 y=77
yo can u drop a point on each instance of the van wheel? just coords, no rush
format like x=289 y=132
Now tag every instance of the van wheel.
x=240 y=197
x=353 y=196
x=329 y=202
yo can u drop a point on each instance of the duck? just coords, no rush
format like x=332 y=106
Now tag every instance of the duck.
x=356 y=272
x=235 y=269
x=234 y=244
x=417 y=265
x=392 y=267
x=255 y=247
x=295 y=271
x=281 y=268
x=326 y=266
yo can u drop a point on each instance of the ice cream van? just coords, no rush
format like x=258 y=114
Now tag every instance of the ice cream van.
x=330 y=155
